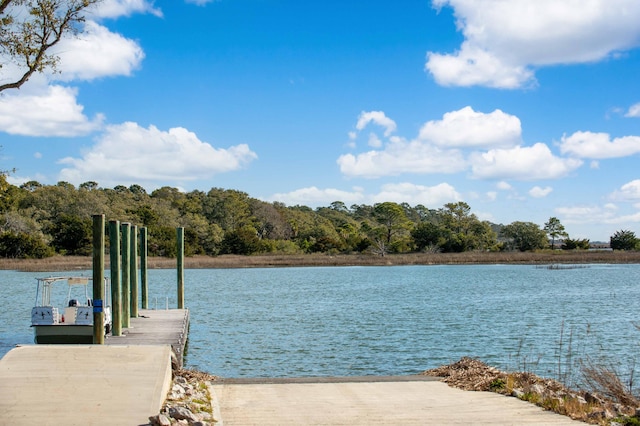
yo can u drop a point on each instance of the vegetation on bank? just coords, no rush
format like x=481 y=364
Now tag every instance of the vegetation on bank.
x=39 y=221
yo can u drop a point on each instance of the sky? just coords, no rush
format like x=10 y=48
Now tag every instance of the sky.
x=525 y=109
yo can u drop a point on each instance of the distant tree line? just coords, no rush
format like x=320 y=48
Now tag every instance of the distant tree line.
x=39 y=220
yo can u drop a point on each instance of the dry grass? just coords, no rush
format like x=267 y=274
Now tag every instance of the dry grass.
x=68 y=263
x=606 y=381
x=473 y=375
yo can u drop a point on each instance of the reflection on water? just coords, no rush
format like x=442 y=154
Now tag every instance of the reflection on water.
x=290 y=322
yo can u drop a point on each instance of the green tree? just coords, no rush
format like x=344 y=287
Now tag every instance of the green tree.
x=392 y=218
x=29 y=29
x=462 y=230
x=71 y=234
x=571 y=244
x=623 y=240
x=554 y=229
x=525 y=236
x=427 y=235
x=243 y=240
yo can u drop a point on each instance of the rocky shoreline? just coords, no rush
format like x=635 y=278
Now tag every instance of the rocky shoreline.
x=189 y=401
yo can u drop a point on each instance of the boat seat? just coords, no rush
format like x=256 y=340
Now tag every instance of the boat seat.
x=70 y=315
x=84 y=315
x=43 y=315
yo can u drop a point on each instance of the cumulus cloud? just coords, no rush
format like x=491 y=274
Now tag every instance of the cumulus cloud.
x=130 y=153
x=538 y=192
x=468 y=128
x=45 y=111
x=400 y=193
x=454 y=144
x=504 y=186
x=117 y=8
x=418 y=194
x=313 y=196
x=586 y=214
x=634 y=111
x=377 y=117
x=402 y=157
x=630 y=191
x=523 y=163
x=599 y=145
x=96 y=53
x=505 y=40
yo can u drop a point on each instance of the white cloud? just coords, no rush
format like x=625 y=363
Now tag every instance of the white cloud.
x=377 y=117
x=522 y=163
x=492 y=195
x=430 y=196
x=538 y=192
x=599 y=145
x=630 y=191
x=402 y=157
x=130 y=153
x=504 y=186
x=472 y=66
x=468 y=128
x=634 y=111
x=585 y=214
x=117 y=8
x=413 y=194
x=313 y=196
x=200 y=2
x=374 y=141
x=96 y=53
x=505 y=40
x=45 y=111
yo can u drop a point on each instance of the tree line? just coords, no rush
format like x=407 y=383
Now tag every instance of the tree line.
x=39 y=220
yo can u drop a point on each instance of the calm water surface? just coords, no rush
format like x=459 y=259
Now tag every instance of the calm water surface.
x=341 y=321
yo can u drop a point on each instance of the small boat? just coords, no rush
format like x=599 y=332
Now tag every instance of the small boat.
x=72 y=323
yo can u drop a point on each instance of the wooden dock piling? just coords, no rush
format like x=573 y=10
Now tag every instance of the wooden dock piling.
x=114 y=264
x=98 y=279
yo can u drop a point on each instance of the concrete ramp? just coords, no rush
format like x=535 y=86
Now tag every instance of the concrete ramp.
x=83 y=384
x=389 y=402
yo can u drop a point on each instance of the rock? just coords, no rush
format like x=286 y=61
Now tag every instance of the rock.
x=181 y=380
x=592 y=398
x=160 y=420
x=182 y=413
x=517 y=393
x=537 y=389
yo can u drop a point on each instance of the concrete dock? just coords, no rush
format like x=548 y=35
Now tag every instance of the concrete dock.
x=120 y=383
x=83 y=384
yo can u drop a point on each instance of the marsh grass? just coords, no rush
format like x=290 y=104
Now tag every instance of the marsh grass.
x=541 y=258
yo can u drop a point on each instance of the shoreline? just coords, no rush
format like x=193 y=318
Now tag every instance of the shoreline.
x=70 y=263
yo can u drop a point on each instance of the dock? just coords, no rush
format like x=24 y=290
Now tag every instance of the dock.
x=157 y=327
x=124 y=381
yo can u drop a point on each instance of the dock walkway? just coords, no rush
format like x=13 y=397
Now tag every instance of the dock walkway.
x=156 y=327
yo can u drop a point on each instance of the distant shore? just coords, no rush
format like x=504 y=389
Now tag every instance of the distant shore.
x=70 y=263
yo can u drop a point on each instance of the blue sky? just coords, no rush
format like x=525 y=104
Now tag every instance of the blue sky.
x=523 y=109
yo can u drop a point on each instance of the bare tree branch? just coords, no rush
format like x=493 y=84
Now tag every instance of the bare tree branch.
x=30 y=28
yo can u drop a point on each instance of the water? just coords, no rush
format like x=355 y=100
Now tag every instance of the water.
x=343 y=321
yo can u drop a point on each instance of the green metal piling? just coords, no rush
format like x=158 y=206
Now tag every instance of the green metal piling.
x=98 y=279
x=133 y=273
x=114 y=264
x=143 y=268
x=126 y=282
x=180 y=247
